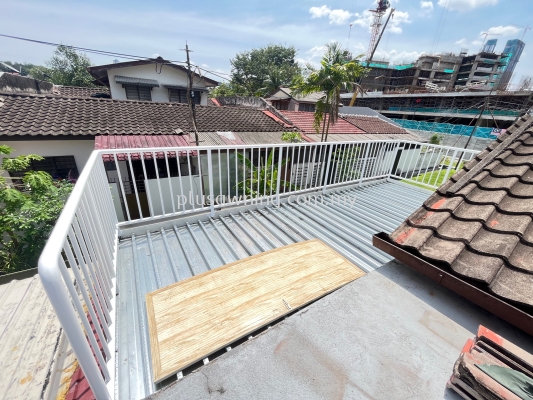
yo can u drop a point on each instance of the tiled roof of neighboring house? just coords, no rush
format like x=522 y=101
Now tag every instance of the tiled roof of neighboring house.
x=52 y=115
x=479 y=224
x=286 y=93
x=342 y=137
x=304 y=122
x=99 y=72
x=116 y=142
x=76 y=91
x=372 y=124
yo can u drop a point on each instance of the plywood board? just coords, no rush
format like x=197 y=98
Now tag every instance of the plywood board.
x=193 y=318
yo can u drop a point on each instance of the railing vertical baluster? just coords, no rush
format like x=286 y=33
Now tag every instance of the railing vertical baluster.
x=272 y=150
x=328 y=162
x=147 y=186
x=363 y=167
x=229 y=176
x=105 y=259
x=191 y=191
x=394 y=155
x=170 y=183
x=306 y=163
x=219 y=174
x=89 y=271
x=278 y=183
x=115 y=156
x=134 y=180
x=210 y=177
x=98 y=324
x=81 y=313
x=450 y=166
x=180 y=179
x=202 y=191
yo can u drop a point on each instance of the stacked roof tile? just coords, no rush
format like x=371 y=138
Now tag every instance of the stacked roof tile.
x=76 y=91
x=479 y=224
x=52 y=115
x=373 y=124
x=304 y=122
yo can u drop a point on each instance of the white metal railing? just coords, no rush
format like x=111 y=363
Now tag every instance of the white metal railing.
x=429 y=166
x=118 y=188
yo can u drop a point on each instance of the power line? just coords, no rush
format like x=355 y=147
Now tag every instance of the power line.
x=110 y=53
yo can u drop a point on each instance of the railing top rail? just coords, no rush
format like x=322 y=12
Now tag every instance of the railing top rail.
x=259 y=146
x=54 y=245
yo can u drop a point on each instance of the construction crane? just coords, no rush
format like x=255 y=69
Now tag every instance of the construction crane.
x=375 y=37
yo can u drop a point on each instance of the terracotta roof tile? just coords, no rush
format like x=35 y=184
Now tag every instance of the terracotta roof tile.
x=480 y=223
x=304 y=122
x=372 y=124
x=53 y=115
x=76 y=91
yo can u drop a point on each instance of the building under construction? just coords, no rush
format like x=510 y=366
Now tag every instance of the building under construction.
x=486 y=70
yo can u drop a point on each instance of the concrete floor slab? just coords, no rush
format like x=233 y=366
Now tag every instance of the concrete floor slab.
x=392 y=334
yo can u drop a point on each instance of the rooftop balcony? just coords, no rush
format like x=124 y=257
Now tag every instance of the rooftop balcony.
x=142 y=219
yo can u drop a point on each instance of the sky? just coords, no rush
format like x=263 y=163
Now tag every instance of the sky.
x=217 y=30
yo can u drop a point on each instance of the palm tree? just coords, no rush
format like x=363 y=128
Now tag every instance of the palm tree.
x=336 y=73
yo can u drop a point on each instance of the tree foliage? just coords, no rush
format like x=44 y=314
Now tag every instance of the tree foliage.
x=223 y=90
x=67 y=67
x=435 y=139
x=260 y=71
x=23 y=68
x=291 y=137
x=30 y=203
x=262 y=180
x=336 y=73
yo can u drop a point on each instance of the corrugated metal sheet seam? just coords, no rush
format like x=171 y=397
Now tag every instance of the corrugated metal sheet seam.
x=160 y=258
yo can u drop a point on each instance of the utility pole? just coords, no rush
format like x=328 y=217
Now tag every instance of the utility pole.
x=190 y=96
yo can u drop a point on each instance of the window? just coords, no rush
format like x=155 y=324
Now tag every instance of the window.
x=306 y=107
x=281 y=105
x=62 y=167
x=134 y=92
x=180 y=96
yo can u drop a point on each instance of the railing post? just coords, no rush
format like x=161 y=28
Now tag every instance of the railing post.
x=394 y=155
x=364 y=164
x=61 y=302
x=279 y=175
x=210 y=176
x=327 y=169
x=449 y=167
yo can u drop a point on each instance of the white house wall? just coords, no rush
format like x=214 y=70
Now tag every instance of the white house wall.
x=167 y=76
x=80 y=149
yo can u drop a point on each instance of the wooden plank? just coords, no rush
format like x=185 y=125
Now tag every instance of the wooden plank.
x=193 y=318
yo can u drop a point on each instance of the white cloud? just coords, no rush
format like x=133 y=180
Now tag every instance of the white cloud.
x=339 y=17
x=318 y=12
x=316 y=51
x=365 y=19
x=426 y=5
x=477 y=42
x=464 y=5
x=503 y=30
x=336 y=17
x=396 y=57
x=461 y=41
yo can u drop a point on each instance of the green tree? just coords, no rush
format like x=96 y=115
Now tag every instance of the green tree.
x=223 y=90
x=67 y=67
x=259 y=71
x=435 y=139
x=23 y=68
x=336 y=73
x=30 y=203
x=291 y=137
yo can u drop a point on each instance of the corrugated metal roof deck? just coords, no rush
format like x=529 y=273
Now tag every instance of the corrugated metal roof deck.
x=160 y=258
